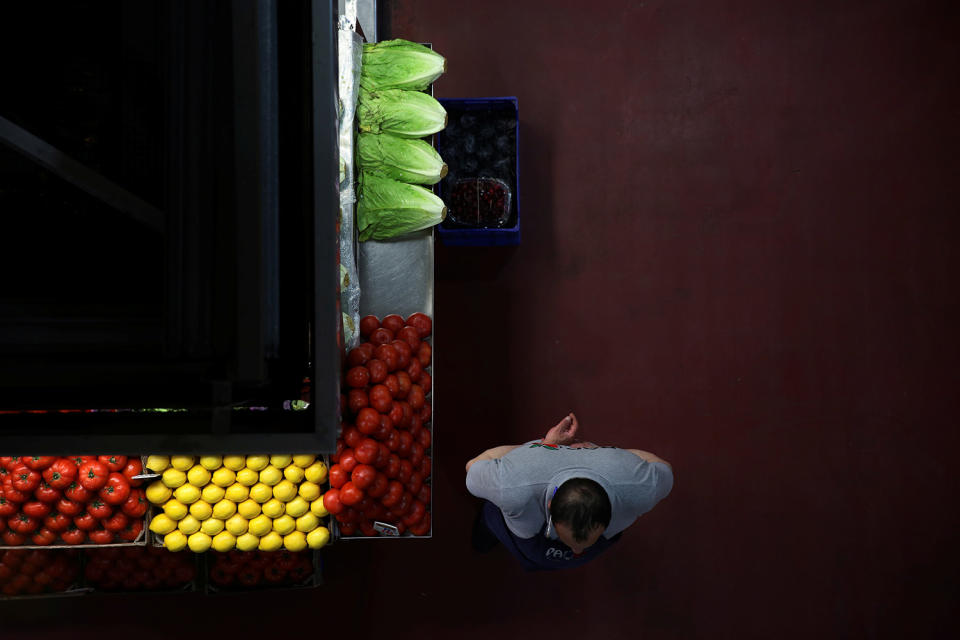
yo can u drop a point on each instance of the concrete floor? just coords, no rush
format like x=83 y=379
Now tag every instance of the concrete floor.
x=739 y=252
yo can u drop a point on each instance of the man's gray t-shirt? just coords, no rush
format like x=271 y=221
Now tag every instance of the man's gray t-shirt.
x=522 y=482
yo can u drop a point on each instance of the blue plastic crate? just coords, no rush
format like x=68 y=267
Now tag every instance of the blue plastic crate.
x=485 y=157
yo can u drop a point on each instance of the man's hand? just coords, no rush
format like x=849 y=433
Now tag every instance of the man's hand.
x=565 y=431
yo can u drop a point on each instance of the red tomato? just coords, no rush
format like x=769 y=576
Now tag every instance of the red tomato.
x=426 y=382
x=352 y=436
x=337 y=476
x=6 y=461
x=114 y=463
x=24 y=478
x=383 y=457
x=358 y=377
x=392 y=384
x=363 y=476
x=422 y=323
x=416 y=397
x=425 y=467
x=393 y=322
x=403 y=448
x=45 y=493
x=381 y=336
x=415 y=424
x=379 y=486
x=423 y=527
x=416 y=453
x=367 y=348
x=384 y=429
x=23 y=523
x=393 y=494
x=132 y=531
x=73 y=535
x=393 y=466
x=411 y=336
x=36 y=509
x=403 y=384
x=7 y=508
x=12 y=494
x=43 y=537
x=414 y=370
x=378 y=370
x=403 y=504
x=393 y=439
x=136 y=504
x=357 y=357
x=426 y=412
x=367 y=450
x=38 y=463
x=117 y=489
x=424 y=494
x=407 y=420
x=79 y=460
x=403 y=353
x=77 y=493
x=116 y=522
x=381 y=399
x=396 y=414
x=60 y=474
x=424 y=439
x=56 y=522
x=357 y=399
x=415 y=514
x=389 y=356
x=424 y=354
x=85 y=522
x=12 y=539
x=403 y=473
x=350 y=494
x=415 y=483
x=101 y=536
x=349 y=514
x=331 y=501
x=93 y=475
x=368 y=420
x=348 y=460
x=99 y=509
x=133 y=468
x=68 y=507
x=348 y=529
x=368 y=324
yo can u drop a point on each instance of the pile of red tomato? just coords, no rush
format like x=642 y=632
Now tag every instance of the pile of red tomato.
x=32 y=572
x=382 y=461
x=245 y=569
x=138 y=568
x=48 y=500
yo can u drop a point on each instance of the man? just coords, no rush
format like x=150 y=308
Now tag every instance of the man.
x=559 y=502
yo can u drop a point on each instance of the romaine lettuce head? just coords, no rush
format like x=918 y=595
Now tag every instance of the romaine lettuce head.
x=405 y=114
x=402 y=159
x=387 y=208
x=400 y=64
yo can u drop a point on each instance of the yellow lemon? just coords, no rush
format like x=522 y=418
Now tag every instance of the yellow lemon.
x=188 y=524
x=257 y=462
x=175 y=509
x=294 y=474
x=247 y=542
x=175 y=540
x=173 y=478
x=247 y=477
x=201 y=510
x=261 y=493
x=236 y=524
x=297 y=507
x=317 y=508
x=295 y=541
x=211 y=463
x=273 y=508
x=270 y=475
x=237 y=493
x=234 y=463
x=317 y=472
x=224 y=509
x=187 y=493
x=158 y=463
x=280 y=461
x=223 y=541
x=318 y=537
x=198 y=476
x=248 y=509
x=181 y=463
x=309 y=491
x=199 y=542
x=158 y=492
x=307 y=522
x=270 y=542
x=162 y=524
x=212 y=526
x=224 y=477
x=284 y=525
x=304 y=460
x=285 y=491
x=212 y=494
x=260 y=525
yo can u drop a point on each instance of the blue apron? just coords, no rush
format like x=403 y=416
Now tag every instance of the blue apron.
x=540 y=553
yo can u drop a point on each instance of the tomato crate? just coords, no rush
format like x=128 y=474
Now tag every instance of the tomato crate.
x=141 y=570
x=482 y=189
x=244 y=571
